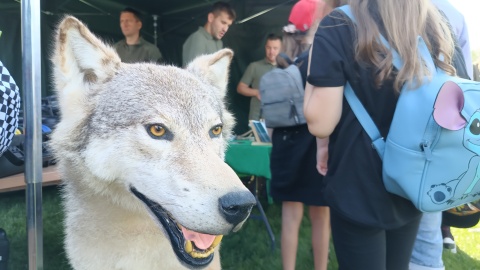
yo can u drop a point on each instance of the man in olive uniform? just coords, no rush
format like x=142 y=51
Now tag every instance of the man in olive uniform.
x=248 y=85
x=208 y=39
x=134 y=48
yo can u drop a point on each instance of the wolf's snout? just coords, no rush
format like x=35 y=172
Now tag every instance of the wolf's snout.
x=236 y=206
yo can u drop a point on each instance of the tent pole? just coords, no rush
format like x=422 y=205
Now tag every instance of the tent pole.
x=31 y=69
x=263 y=12
x=155 y=37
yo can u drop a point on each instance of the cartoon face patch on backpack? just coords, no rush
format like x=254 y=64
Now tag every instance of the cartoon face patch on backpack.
x=449 y=105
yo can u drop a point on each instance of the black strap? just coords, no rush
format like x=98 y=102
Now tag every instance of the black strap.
x=285 y=56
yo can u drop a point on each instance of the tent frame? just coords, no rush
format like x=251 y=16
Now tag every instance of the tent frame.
x=31 y=65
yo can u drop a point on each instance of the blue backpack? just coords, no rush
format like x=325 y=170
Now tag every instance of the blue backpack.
x=431 y=155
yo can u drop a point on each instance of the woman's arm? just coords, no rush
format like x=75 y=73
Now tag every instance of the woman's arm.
x=322 y=108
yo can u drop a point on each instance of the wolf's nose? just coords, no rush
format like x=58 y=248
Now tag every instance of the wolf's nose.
x=236 y=206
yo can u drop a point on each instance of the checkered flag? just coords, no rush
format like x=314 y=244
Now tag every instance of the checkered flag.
x=9 y=108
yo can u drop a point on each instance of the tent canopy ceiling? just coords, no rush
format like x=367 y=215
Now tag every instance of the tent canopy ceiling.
x=102 y=15
x=176 y=20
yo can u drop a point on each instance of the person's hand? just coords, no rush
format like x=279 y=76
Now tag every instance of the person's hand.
x=322 y=156
x=258 y=95
x=322 y=159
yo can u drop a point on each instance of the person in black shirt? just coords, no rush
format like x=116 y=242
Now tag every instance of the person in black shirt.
x=371 y=228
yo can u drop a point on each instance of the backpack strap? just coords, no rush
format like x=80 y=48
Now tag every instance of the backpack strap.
x=286 y=58
x=378 y=142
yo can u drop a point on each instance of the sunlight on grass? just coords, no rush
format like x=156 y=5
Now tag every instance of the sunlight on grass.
x=469 y=239
x=468 y=252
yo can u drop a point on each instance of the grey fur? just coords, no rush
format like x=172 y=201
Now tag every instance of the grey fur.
x=104 y=149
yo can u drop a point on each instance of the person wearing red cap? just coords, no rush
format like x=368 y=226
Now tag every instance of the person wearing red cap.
x=303 y=14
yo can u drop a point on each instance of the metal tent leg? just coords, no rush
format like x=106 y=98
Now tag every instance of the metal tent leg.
x=262 y=215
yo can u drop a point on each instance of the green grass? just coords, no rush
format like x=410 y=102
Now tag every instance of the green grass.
x=247 y=249
x=468 y=250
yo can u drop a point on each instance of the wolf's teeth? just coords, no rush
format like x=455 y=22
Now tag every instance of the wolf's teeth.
x=217 y=241
x=188 y=246
x=205 y=253
x=201 y=255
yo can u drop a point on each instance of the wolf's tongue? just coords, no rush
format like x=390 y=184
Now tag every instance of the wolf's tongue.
x=202 y=241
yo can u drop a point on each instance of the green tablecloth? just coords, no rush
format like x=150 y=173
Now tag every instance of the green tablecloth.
x=245 y=158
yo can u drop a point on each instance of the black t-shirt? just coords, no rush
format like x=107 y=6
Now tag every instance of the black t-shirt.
x=353 y=185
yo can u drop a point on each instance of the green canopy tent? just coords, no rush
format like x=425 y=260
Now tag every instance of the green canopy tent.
x=175 y=20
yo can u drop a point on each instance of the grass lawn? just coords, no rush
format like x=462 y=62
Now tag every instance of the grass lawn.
x=247 y=249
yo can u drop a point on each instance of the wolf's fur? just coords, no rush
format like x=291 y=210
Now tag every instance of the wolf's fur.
x=104 y=150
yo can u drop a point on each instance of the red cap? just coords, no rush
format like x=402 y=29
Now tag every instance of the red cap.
x=303 y=14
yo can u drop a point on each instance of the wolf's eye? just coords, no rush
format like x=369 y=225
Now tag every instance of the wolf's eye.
x=217 y=130
x=157 y=130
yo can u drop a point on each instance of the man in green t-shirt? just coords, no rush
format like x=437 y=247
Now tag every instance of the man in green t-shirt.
x=208 y=39
x=134 y=48
x=248 y=85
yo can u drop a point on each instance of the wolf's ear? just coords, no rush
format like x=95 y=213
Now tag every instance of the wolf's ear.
x=214 y=68
x=79 y=54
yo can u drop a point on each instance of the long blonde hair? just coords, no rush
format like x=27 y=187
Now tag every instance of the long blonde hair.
x=403 y=22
